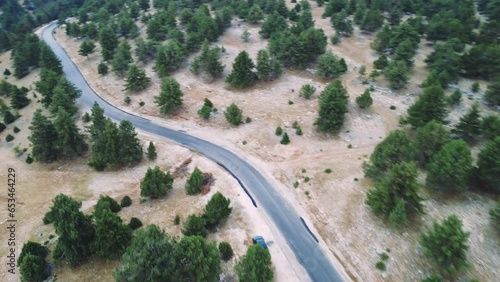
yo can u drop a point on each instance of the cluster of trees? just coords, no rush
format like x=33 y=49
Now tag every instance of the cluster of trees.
x=112 y=146
x=208 y=61
x=245 y=73
x=31 y=262
x=81 y=236
x=216 y=212
x=18 y=96
x=330 y=66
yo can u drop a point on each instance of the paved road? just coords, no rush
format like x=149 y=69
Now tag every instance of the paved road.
x=285 y=217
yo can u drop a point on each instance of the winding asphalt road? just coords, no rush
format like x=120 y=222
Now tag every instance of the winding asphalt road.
x=300 y=239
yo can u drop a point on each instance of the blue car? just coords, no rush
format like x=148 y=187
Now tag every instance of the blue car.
x=260 y=240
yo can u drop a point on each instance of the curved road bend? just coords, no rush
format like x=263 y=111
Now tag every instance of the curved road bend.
x=285 y=217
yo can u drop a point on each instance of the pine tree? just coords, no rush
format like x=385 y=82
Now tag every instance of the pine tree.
x=469 y=126
x=75 y=230
x=255 y=265
x=397 y=74
x=195 y=181
x=136 y=79
x=43 y=138
x=447 y=244
x=400 y=184
x=217 y=210
x=45 y=86
x=255 y=14
x=268 y=68
x=102 y=68
x=365 y=100
x=492 y=95
x=109 y=42
x=431 y=105
x=130 y=150
x=49 y=60
x=156 y=183
x=273 y=23
x=285 y=140
x=488 y=165
x=395 y=148
x=169 y=57
x=381 y=62
x=332 y=107
x=398 y=217
x=450 y=168
x=69 y=140
x=33 y=268
x=19 y=98
x=152 y=155
x=170 y=97
x=86 y=48
x=112 y=237
x=242 y=75
x=64 y=95
x=342 y=25
x=307 y=90
x=122 y=59
x=195 y=226
x=428 y=140
x=233 y=114
x=329 y=66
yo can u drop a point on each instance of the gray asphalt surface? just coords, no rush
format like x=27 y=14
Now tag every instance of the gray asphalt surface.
x=285 y=217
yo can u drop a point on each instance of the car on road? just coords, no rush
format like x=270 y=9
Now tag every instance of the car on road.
x=259 y=240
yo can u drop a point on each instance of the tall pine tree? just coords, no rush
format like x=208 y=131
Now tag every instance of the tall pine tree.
x=332 y=107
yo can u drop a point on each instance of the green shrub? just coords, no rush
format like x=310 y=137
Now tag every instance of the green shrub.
x=328 y=170
x=307 y=91
x=475 y=87
x=392 y=107
x=16 y=129
x=127 y=100
x=126 y=202
x=335 y=39
x=298 y=131
x=86 y=118
x=2 y=127
x=142 y=103
x=6 y=72
x=278 y=131
x=9 y=138
x=177 y=219
x=384 y=256
x=29 y=159
x=295 y=184
x=380 y=265
x=226 y=252
x=306 y=179
x=307 y=193
x=248 y=120
x=134 y=223
x=285 y=140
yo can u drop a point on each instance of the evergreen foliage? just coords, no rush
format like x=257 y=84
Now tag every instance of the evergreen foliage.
x=112 y=237
x=170 y=97
x=122 y=59
x=33 y=268
x=86 y=48
x=109 y=41
x=136 y=79
x=268 y=68
x=307 y=90
x=490 y=126
x=469 y=125
x=43 y=138
x=255 y=265
x=19 y=97
x=428 y=140
x=285 y=140
x=332 y=107
x=446 y=243
x=242 y=75
x=494 y=215
x=32 y=248
x=64 y=95
x=395 y=148
x=273 y=23
x=195 y=226
x=431 y=105
x=102 y=68
x=396 y=73
x=255 y=14
x=194 y=182
x=396 y=195
x=450 y=168
x=381 y=62
x=70 y=141
x=364 y=100
x=329 y=66
x=233 y=114
x=126 y=202
x=226 y=252
x=169 y=57
x=75 y=230
x=208 y=61
x=151 y=153
x=217 y=210
x=106 y=202
x=489 y=166
x=156 y=183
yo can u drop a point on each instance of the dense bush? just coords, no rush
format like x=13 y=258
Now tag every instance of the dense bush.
x=126 y=202
x=134 y=223
x=226 y=252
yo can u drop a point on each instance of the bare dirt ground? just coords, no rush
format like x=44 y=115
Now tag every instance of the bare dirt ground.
x=335 y=201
